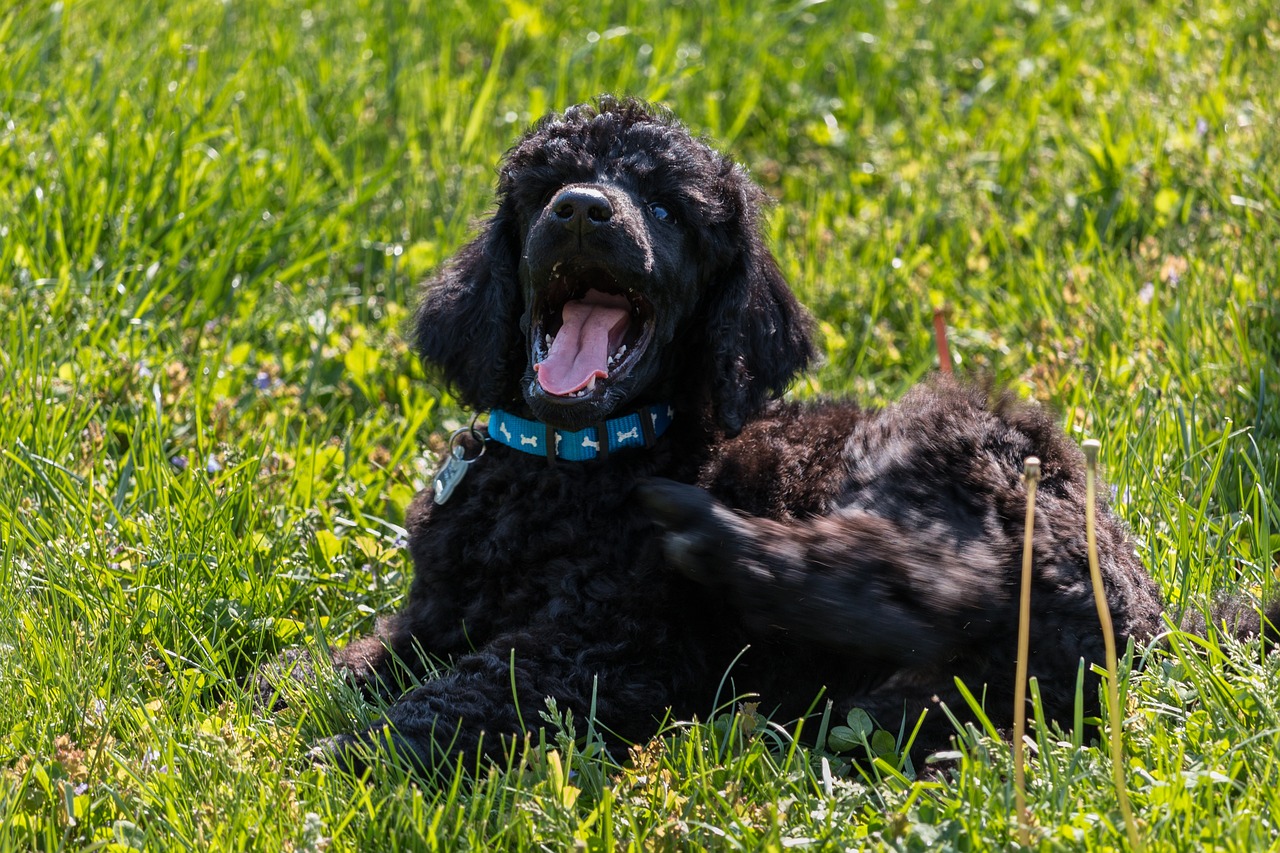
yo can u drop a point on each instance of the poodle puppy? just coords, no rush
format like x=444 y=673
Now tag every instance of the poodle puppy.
x=642 y=507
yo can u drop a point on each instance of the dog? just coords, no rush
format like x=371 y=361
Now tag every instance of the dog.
x=644 y=512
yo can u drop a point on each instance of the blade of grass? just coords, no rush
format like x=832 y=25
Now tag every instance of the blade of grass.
x=1114 y=720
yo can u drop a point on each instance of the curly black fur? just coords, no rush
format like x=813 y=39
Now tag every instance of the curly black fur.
x=871 y=554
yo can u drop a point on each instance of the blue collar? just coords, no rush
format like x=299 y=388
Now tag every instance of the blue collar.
x=638 y=429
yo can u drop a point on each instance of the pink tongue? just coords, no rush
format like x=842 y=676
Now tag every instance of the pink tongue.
x=592 y=328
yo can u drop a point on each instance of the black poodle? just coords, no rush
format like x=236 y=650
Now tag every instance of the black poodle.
x=641 y=507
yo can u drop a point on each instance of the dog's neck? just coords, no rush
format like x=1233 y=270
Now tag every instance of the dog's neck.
x=638 y=429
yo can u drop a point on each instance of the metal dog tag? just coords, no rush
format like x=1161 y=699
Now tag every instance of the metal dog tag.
x=454 y=467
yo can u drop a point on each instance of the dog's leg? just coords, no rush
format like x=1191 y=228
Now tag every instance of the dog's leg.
x=491 y=698
x=465 y=712
x=384 y=663
x=853 y=581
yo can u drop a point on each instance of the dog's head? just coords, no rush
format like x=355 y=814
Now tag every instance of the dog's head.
x=624 y=266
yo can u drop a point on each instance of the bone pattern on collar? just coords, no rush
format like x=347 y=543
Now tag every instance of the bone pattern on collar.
x=582 y=445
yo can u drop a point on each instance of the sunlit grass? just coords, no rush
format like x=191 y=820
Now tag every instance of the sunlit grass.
x=213 y=217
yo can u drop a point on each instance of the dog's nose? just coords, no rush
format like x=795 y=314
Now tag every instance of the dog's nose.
x=581 y=209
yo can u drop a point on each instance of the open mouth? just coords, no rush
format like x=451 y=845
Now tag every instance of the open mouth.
x=589 y=331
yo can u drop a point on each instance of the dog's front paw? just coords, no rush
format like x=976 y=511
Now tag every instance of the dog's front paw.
x=701 y=535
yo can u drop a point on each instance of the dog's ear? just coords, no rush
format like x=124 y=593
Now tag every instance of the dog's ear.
x=468 y=323
x=759 y=335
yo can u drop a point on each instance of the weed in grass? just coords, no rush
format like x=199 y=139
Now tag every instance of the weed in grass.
x=1030 y=476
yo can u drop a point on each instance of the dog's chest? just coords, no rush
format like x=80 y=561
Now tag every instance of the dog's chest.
x=519 y=544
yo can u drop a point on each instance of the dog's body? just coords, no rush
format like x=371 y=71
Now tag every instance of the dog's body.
x=875 y=555
x=887 y=568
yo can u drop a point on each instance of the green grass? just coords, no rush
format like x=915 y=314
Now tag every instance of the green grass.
x=213 y=217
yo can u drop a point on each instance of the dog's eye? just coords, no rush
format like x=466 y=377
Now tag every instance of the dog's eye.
x=661 y=212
